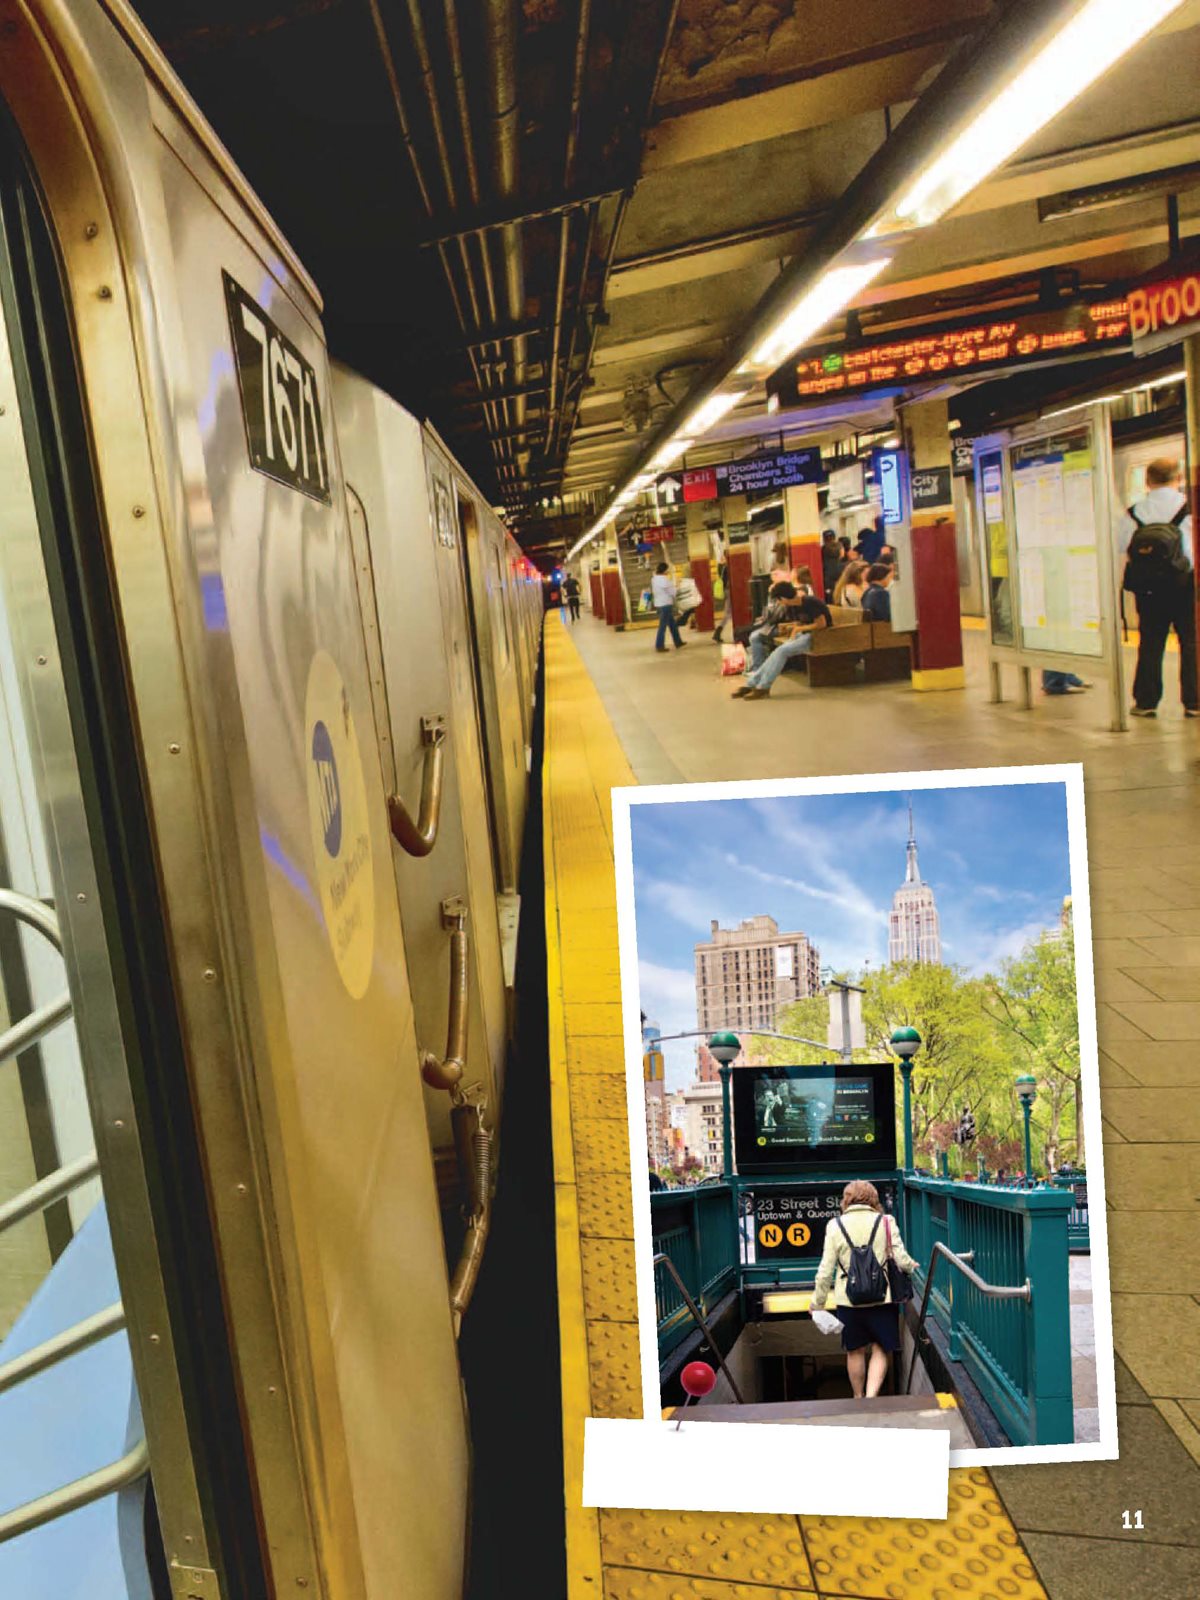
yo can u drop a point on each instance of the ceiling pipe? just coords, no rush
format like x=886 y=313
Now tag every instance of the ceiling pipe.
x=563 y=433
x=582 y=36
x=389 y=67
x=965 y=84
x=504 y=113
x=458 y=76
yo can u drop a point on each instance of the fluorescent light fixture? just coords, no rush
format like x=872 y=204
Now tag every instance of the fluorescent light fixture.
x=1158 y=383
x=815 y=307
x=765 y=505
x=1082 y=405
x=714 y=408
x=1082 y=50
x=669 y=453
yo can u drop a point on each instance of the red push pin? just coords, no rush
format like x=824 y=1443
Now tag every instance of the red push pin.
x=697 y=1379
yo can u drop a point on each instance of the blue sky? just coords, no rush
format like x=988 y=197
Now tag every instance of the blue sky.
x=827 y=865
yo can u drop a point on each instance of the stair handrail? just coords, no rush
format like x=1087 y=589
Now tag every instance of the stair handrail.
x=698 y=1317
x=958 y=1260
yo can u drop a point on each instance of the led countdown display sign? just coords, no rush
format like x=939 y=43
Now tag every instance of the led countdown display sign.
x=945 y=351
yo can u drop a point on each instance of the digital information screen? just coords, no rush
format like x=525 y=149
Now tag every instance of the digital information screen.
x=809 y=1118
x=946 y=350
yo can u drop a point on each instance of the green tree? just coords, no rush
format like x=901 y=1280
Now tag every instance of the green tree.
x=1033 y=1005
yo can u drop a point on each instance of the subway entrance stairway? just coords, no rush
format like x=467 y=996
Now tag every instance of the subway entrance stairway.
x=616 y=715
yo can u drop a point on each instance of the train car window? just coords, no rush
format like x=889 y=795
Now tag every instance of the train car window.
x=499 y=609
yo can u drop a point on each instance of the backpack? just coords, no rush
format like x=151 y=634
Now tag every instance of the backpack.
x=1156 y=563
x=866 y=1281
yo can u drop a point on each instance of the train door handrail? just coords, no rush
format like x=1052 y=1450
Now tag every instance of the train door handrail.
x=663 y=1260
x=419 y=837
x=90 y=1330
x=959 y=1260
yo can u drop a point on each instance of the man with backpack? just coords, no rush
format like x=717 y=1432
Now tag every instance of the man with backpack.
x=1158 y=573
x=571 y=591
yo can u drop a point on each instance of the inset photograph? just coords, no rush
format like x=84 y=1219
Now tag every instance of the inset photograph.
x=864 y=1107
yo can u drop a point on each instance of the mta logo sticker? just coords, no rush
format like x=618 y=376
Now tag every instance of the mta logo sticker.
x=339 y=825
x=327 y=788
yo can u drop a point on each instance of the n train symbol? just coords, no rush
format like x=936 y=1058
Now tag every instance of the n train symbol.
x=327 y=783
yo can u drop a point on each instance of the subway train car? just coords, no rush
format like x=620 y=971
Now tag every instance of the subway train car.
x=266 y=695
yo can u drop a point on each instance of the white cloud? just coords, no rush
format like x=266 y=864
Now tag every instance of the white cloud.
x=667 y=992
x=687 y=905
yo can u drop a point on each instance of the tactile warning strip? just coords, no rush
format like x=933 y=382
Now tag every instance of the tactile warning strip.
x=654 y=1555
x=974 y=1554
x=736 y=1547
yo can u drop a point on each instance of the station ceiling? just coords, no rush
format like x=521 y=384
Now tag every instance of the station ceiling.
x=538 y=221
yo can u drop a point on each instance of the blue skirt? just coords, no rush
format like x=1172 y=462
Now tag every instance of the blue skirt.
x=862 y=1325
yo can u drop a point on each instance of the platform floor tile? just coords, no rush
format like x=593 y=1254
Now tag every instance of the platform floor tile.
x=974 y=1555
x=737 y=1547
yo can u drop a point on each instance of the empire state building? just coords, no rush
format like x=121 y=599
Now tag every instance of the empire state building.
x=913 y=932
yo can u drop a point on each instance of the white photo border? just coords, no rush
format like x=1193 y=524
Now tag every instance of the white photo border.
x=1068 y=774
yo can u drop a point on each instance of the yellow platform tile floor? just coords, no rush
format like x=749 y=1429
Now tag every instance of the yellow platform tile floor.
x=646 y=1554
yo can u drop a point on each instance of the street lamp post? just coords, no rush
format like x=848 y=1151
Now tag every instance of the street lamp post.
x=1026 y=1092
x=905 y=1044
x=726 y=1047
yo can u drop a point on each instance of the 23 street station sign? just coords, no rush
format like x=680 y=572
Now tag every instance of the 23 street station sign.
x=941 y=352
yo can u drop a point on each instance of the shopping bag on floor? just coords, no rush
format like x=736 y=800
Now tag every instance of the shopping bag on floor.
x=733 y=660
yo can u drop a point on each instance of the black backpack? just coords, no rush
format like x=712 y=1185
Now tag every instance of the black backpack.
x=866 y=1281
x=1156 y=564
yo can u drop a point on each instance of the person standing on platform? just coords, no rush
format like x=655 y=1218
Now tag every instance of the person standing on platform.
x=871 y=542
x=831 y=561
x=1158 y=573
x=727 y=615
x=571 y=590
x=782 y=571
x=876 y=601
x=662 y=591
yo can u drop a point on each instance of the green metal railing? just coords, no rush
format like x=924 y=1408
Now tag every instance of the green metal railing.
x=1078 y=1233
x=696 y=1229
x=1017 y=1351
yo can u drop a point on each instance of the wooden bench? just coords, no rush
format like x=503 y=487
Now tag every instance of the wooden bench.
x=836 y=651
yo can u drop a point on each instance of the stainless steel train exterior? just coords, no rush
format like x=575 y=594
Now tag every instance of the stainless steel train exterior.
x=273 y=657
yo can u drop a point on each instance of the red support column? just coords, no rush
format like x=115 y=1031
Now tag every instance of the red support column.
x=739 y=563
x=597 y=595
x=614 y=600
x=702 y=577
x=937 y=648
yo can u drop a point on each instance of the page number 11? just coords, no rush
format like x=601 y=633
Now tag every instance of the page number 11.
x=1134 y=1521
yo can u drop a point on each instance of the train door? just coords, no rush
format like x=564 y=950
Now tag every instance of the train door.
x=496 y=679
x=423 y=723
x=205 y=612
x=93 y=1101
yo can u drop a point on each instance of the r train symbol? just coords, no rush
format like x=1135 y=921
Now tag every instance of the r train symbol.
x=327 y=782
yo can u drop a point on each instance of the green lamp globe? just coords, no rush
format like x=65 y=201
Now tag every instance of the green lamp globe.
x=905 y=1043
x=726 y=1047
x=1027 y=1087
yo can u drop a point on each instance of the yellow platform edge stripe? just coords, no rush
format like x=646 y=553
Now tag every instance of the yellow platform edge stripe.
x=584 y=1570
